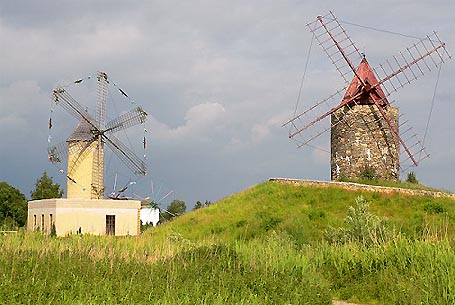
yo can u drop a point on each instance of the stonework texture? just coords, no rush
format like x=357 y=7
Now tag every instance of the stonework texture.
x=351 y=186
x=363 y=143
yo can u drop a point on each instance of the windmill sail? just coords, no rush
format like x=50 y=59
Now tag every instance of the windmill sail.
x=86 y=144
x=368 y=87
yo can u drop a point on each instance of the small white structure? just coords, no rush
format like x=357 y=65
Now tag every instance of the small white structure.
x=150 y=215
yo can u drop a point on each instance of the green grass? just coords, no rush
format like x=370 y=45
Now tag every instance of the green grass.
x=262 y=246
x=304 y=213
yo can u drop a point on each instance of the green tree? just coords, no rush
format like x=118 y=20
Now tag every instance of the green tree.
x=46 y=189
x=13 y=207
x=175 y=208
x=412 y=178
x=198 y=205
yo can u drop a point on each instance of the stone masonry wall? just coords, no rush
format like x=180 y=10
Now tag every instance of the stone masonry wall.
x=357 y=186
x=361 y=139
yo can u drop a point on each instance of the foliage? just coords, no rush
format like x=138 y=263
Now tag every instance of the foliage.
x=367 y=173
x=53 y=230
x=360 y=226
x=105 y=270
x=401 y=271
x=45 y=188
x=175 y=208
x=305 y=212
x=13 y=207
x=198 y=205
x=412 y=178
x=266 y=248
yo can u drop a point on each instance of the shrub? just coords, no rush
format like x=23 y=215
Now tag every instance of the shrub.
x=360 y=226
x=434 y=208
x=367 y=173
x=412 y=178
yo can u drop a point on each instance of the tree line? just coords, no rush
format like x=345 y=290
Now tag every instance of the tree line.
x=13 y=204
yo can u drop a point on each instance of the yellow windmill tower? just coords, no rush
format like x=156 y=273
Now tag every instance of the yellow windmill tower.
x=86 y=143
x=85 y=210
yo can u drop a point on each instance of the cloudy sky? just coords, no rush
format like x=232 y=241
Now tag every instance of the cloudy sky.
x=218 y=79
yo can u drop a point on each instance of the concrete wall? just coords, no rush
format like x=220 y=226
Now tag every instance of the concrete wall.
x=88 y=215
x=361 y=138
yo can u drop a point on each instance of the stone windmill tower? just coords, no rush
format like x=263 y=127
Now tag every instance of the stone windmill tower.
x=361 y=138
x=365 y=128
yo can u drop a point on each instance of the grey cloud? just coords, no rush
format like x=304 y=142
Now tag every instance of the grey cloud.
x=217 y=77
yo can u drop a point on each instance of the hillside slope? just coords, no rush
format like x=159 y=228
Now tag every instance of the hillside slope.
x=304 y=212
x=260 y=246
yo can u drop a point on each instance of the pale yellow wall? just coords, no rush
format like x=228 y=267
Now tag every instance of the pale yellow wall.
x=82 y=172
x=80 y=168
x=88 y=214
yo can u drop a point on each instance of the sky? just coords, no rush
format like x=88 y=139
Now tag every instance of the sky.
x=217 y=79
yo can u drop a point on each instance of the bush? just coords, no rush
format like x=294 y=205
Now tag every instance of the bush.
x=412 y=178
x=361 y=227
x=367 y=173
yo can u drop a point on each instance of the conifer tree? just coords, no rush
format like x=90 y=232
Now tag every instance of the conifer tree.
x=45 y=188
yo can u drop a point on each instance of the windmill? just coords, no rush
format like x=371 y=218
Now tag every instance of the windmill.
x=365 y=128
x=85 y=146
x=151 y=210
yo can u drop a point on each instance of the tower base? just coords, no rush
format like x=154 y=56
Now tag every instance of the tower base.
x=363 y=145
x=81 y=216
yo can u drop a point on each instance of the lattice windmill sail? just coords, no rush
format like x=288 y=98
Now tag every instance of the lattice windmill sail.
x=364 y=126
x=85 y=146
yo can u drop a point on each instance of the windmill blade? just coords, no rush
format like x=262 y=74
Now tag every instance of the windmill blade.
x=172 y=214
x=397 y=135
x=98 y=170
x=312 y=131
x=126 y=120
x=165 y=196
x=412 y=63
x=101 y=94
x=134 y=163
x=338 y=46
x=314 y=114
x=64 y=99
x=57 y=153
x=83 y=151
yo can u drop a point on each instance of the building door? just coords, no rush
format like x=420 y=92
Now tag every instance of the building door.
x=110 y=224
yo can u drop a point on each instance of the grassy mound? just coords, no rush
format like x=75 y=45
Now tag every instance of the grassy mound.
x=304 y=212
x=262 y=246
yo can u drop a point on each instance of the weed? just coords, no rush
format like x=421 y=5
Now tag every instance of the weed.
x=360 y=226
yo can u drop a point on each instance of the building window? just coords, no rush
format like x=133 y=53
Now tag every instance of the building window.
x=42 y=223
x=51 y=224
x=110 y=224
x=34 y=222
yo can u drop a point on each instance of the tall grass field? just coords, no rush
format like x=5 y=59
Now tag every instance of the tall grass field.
x=270 y=244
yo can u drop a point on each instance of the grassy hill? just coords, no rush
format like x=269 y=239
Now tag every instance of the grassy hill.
x=304 y=212
x=264 y=245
